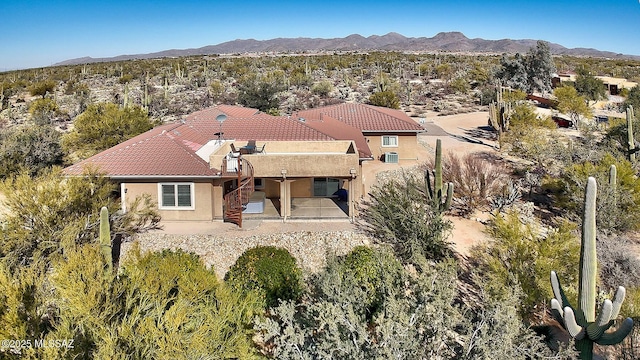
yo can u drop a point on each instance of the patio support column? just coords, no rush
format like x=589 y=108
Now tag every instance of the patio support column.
x=285 y=197
x=123 y=197
x=351 y=194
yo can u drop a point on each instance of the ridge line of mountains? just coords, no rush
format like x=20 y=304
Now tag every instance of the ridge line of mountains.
x=455 y=42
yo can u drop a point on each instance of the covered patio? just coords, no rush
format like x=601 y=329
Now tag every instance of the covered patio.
x=305 y=208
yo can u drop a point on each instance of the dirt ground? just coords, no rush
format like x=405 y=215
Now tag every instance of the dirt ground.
x=463 y=133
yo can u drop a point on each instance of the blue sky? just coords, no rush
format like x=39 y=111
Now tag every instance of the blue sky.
x=37 y=33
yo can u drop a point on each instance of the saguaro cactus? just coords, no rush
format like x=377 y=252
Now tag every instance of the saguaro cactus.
x=631 y=142
x=581 y=322
x=499 y=115
x=105 y=237
x=613 y=184
x=435 y=193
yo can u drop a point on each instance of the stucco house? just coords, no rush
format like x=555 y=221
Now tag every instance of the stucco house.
x=223 y=161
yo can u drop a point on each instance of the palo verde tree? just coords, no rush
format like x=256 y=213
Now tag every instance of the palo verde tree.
x=385 y=99
x=51 y=213
x=570 y=102
x=104 y=125
x=42 y=88
x=589 y=86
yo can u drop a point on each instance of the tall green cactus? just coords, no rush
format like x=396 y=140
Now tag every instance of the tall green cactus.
x=581 y=322
x=105 y=237
x=435 y=193
x=499 y=115
x=631 y=142
x=613 y=184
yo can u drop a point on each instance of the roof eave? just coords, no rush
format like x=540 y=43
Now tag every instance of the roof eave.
x=149 y=177
x=393 y=131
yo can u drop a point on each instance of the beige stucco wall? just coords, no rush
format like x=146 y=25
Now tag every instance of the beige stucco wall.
x=204 y=201
x=407 y=148
x=271 y=188
x=302 y=188
x=303 y=165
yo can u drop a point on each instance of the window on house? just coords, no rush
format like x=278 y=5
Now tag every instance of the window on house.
x=325 y=186
x=176 y=196
x=258 y=183
x=390 y=140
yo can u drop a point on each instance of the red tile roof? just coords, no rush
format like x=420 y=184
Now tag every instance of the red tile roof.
x=366 y=118
x=340 y=131
x=158 y=152
x=170 y=150
x=230 y=110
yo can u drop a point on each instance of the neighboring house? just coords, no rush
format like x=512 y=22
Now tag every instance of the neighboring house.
x=201 y=169
x=612 y=85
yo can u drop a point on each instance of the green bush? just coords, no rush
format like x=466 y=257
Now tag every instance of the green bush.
x=616 y=212
x=523 y=255
x=104 y=125
x=42 y=88
x=322 y=88
x=43 y=111
x=271 y=271
x=31 y=149
x=363 y=277
x=398 y=213
x=419 y=318
x=163 y=305
x=385 y=99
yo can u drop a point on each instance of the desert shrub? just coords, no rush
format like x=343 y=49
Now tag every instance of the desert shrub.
x=125 y=78
x=43 y=111
x=522 y=255
x=270 y=271
x=322 y=88
x=497 y=332
x=397 y=213
x=532 y=137
x=419 y=318
x=616 y=137
x=633 y=98
x=619 y=265
x=474 y=179
x=42 y=88
x=161 y=305
x=362 y=277
x=24 y=310
x=31 y=149
x=616 y=212
x=385 y=99
x=50 y=214
x=104 y=125
x=631 y=304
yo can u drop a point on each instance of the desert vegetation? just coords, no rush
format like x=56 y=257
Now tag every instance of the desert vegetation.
x=407 y=296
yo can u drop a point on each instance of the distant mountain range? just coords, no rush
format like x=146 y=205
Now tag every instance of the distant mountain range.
x=445 y=41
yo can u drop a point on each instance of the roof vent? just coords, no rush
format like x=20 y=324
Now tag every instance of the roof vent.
x=302 y=119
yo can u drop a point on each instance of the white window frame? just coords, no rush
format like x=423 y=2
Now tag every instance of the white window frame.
x=175 y=186
x=390 y=137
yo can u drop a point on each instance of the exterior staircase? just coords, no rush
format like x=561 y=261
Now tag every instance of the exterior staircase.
x=236 y=200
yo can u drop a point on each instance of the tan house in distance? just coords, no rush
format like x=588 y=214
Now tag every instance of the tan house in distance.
x=225 y=161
